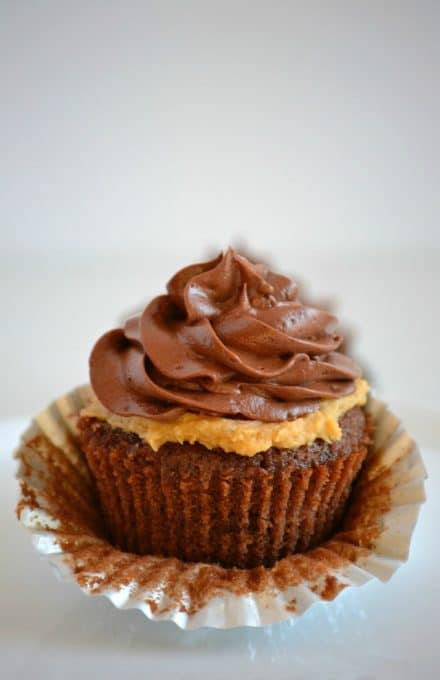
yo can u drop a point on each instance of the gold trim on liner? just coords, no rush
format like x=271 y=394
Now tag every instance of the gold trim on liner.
x=245 y=437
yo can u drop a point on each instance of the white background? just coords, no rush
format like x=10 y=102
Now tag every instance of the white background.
x=137 y=137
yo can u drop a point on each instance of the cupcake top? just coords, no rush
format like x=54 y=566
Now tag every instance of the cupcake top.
x=230 y=339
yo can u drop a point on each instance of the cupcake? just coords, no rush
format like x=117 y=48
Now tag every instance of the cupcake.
x=224 y=424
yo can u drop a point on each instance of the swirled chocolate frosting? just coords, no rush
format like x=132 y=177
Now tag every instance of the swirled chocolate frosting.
x=230 y=338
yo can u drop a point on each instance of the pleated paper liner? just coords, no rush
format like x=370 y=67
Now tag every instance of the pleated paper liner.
x=58 y=505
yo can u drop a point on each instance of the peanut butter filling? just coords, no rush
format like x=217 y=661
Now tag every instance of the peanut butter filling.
x=244 y=437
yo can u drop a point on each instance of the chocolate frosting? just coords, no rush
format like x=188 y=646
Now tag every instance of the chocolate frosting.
x=230 y=338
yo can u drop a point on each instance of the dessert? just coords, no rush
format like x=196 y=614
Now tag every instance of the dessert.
x=224 y=424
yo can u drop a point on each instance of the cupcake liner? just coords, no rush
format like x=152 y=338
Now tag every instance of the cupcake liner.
x=58 y=505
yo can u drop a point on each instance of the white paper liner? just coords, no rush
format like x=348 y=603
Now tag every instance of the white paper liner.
x=394 y=471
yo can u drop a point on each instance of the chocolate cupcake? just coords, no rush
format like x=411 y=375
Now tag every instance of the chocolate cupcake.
x=224 y=426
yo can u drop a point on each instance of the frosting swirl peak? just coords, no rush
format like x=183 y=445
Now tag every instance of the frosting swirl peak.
x=230 y=338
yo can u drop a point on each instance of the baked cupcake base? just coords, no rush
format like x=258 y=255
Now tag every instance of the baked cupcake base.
x=202 y=505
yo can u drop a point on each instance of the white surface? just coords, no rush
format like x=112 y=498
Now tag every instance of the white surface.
x=379 y=631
